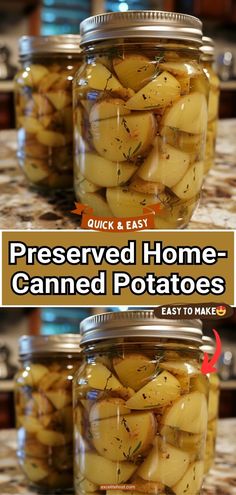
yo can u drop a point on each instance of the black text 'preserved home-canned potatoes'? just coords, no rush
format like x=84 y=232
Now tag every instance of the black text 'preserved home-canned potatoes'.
x=43 y=99
x=140 y=116
x=207 y=60
x=43 y=401
x=213 y=407
x=140 y=406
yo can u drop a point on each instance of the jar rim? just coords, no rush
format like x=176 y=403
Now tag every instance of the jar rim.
x=138 y=323
x=63 y=43
x=208 y=46
x=67 y=343
x=208 y=345
x=141 y=24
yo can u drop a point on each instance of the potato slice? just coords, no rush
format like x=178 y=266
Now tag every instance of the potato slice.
x=182 y=69
x=36 y=373
x=59 y=399
x=213 y=405
x=97 y=203
x=214 y=381
x=105 y=173
x=108 y=408
x=35 y=170
x=166 y=166
x=134 y=70
x=149 y=487
x=105 y=109
x=101 y=378
x=83 y=185
x=160 y=92
x=34 y=75
x=48 y=81
x=200 y=383
x=99 y=470
x=49 y=380
x=191 y=183
x=200 y=84
x=134 y=369
x=179 y=367
x=188 y=114
x=42 y=403
x=44 y=107
x=124 y=202
x=85 y=486
x=35 y=469
x=51 y=438
x=193 y=144
x=51 y=138
x=30 y=124
x=157 y=393
x=188 y=413
x=190 y=442
x=59 y=99
x=213 y=105
x=123 y=437
x=100 y=78
x=30 y=423
x=33 y=448
x=165 y=464
x=184 y=82
x=191 y=481
x=146 y=187
x=124 y=139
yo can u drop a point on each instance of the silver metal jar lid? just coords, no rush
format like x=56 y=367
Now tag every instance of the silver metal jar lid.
x=141 y=24
x=136 y=324
x=65 y=44
x=208 y=345
x=208 y=46
x=68 y=343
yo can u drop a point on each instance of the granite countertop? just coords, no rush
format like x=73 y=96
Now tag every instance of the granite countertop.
x=22 y=207
x=220 y=481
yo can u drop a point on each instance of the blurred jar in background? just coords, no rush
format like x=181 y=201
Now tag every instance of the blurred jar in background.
x=213 y=407
x=43 y=403
x=43 y=99
x=207 y=60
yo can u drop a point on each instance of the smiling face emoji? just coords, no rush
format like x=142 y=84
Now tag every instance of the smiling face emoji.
x=221 y=310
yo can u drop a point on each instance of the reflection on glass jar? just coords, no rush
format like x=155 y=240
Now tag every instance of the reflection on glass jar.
x=213 y=407
x=140 y=113
x=43 y=401
x=207 y=61
x=43 y=99
x=140 y=406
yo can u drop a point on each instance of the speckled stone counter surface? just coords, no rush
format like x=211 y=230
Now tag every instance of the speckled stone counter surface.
x=22 y=207
x=220 y=481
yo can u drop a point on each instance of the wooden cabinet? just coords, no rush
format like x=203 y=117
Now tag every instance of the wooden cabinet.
x=227 y=403
x=7 y=114
x=218 y=9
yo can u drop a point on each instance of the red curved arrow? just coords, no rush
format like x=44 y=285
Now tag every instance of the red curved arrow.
x=208 y=365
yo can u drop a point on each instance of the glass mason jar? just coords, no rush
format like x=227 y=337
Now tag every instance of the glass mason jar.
x=140 y=406
x=43 y=401
x=207 y=61
x=213 y=407
x=43 y=100
x=140 y=114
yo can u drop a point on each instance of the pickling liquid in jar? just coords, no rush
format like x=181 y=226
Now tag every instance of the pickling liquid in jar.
x=44 y=415
x=43 y=102
x=140 y=116
x=213 y=407
x=140 y=406
x=207 y=61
